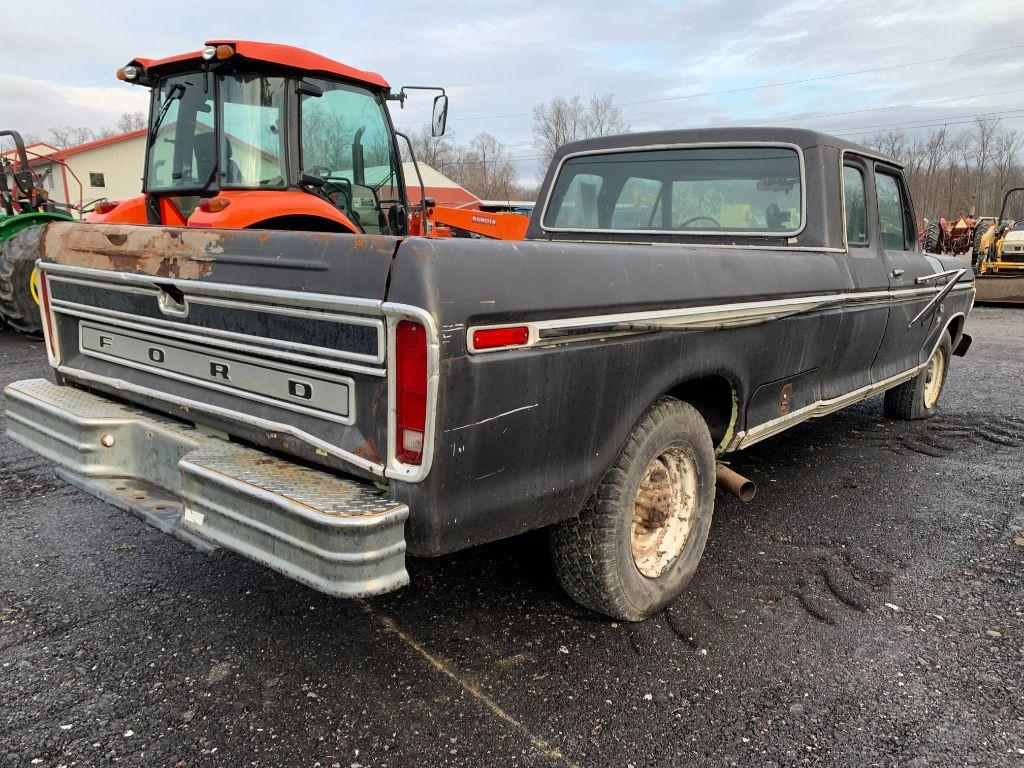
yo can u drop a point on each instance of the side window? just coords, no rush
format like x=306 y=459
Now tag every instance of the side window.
x=856 y=206
x=892 y=218
x=637 y=205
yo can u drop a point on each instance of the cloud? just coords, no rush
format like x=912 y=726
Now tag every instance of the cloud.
x=502 y=60
x=34 y=106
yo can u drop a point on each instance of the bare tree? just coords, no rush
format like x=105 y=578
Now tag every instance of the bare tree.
x=967 y=172
x=64 y=136
x=131 y=121
x=563 y=120
x=7 y=143
x=434 y=151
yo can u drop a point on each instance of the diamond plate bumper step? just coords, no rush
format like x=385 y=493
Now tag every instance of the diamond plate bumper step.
x=340 y=536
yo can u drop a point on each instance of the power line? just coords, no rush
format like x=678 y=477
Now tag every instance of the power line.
x=817 y=78
x=906 y=125
x=887 y=106
x=825 y=77
x=942 y=124
x=911 y=124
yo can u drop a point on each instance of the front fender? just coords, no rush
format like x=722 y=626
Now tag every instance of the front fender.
x=14 y=224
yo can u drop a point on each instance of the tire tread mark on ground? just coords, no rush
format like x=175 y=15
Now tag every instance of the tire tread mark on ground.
x=847 y=590
x=474 y=690
x=813 y=600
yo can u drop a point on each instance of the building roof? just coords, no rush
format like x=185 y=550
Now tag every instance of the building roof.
x=36 y=150
x=436 y=185
x=273 y=53
x=58 y=155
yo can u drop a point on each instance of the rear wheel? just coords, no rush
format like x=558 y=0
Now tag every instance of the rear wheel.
x=636 y=543
x=919 y=397
x=932 y=236
x=977 y=256
x=18 y=256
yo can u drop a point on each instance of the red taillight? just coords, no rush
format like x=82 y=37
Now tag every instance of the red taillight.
x=410 y=391
x=213 y=204
x=44 y=308
x=105 y=206
x=490 y=338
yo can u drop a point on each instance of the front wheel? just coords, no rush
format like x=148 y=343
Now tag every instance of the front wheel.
x=919 y=397
x=636 y=543
x=18 y=256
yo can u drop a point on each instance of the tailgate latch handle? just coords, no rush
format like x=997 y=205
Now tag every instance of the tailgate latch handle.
x=172 y=301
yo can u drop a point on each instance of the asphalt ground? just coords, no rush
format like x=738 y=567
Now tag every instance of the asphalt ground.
x=864 y=609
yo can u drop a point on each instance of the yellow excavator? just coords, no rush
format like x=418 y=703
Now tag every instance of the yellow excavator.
x=999 y=258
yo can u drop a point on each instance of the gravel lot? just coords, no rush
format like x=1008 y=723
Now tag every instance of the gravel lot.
x=865 y=609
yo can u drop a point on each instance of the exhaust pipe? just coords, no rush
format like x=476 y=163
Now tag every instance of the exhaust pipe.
x=734 y=483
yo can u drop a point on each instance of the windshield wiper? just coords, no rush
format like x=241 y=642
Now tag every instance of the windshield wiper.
x=176 y=92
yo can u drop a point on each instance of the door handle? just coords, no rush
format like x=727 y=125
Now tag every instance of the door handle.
x=897 y=273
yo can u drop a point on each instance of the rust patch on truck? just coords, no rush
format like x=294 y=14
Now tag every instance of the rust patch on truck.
x=158 y=251
x=785 y=398
x=368 y=451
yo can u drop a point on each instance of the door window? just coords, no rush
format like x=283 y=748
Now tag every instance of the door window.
x=346 y=141
x=855 y=206
x=892 y=212
x=252 y=115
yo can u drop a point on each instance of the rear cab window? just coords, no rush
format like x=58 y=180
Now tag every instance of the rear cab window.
x=855 y=206
x=728 y=190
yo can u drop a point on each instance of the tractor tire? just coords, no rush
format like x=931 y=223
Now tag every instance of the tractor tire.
x=919 y=397
x=977 y=257
x=932 y=237
x=635 y=545
x=18 y=255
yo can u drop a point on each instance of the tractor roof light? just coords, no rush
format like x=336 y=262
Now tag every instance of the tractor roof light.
x=219 y=52
x=128 y=73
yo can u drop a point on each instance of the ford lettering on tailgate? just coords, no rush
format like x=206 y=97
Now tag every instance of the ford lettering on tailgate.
x=297 y=389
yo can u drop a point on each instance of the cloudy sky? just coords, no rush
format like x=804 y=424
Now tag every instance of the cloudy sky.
x=843 y=67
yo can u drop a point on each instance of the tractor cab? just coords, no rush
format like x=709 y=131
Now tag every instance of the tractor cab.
x=245 y=134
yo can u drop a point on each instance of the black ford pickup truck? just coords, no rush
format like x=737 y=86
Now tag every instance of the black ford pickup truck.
x=326 y=403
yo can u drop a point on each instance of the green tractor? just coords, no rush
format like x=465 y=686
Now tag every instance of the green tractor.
x=24 y=208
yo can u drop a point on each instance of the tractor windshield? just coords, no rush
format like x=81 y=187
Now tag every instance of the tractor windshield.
x=190 y=111
x=346 y=143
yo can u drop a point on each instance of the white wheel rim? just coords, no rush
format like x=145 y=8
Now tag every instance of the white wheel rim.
x=663 y=511
x=934 y=374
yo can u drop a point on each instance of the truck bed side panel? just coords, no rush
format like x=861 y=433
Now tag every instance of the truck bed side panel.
x=523 y=436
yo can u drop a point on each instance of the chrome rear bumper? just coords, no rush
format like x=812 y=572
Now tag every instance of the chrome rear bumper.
x=340 y=536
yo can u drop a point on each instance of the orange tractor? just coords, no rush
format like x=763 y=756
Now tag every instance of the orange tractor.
x=258 y=135
x=953 y=236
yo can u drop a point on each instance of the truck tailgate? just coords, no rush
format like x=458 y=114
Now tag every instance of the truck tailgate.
x=275 y=337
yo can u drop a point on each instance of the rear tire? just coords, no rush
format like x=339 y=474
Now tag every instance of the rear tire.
x=919 y=397
x=636 y=543
x=932 y=235
x=977 y=256
x=18 y=256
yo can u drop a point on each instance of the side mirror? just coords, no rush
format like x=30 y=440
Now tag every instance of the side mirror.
x=440 y=117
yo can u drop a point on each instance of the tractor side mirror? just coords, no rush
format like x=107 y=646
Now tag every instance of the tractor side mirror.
x=440 y=118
